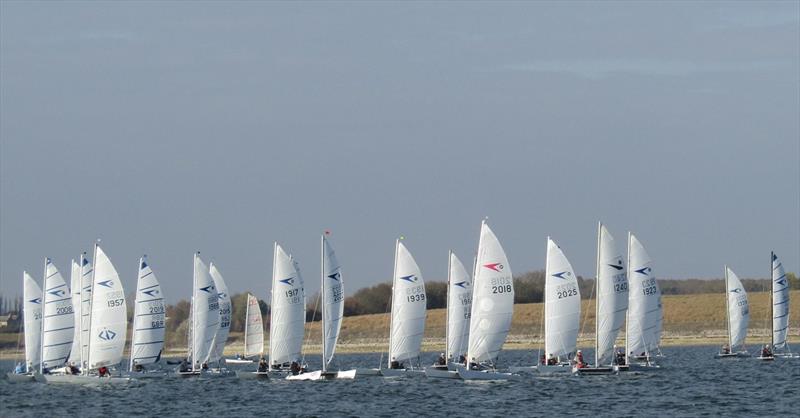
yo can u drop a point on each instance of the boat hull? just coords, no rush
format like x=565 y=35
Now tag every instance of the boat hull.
x=346 y=374
x=770 y=358
x=366 y=372
x=466 y=374
x=20 y=378
x=402 y=373
x=82 y=380
x=252 y=375
x=590 y=371
x=787 y=355
x=441 y=373
x=238 y=361
x=732 y=355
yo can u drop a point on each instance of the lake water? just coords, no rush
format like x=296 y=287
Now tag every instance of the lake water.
x=690 y=383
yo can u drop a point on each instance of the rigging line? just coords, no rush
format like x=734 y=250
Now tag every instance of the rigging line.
x=308 y=335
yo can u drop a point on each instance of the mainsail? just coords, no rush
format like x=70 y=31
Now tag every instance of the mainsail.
x=221 y=337
x=644 y=309
x=738 y=309
x=332 y=302
x=32 y=311
x=253 y=328
x=149 y=317
x=58 y=320
x=612 y=296
x=459 y=305
x=288 y=310
x=408 y=307
x=780 y=303
x=562 y=304
x=75 y=287
x=109 y=320
x=205 y=314
x=492 y=299
x=85 y=308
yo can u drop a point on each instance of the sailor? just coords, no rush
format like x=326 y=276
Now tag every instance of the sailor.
x=551 y=361
x=20 y=369
x=441 y=361
x=394 y=364
x=462 y=360
x=766 y=352
x=579 y=360
x=138 y=368
x=184 y=367
x=262 y=365
x=205 y=366
x=103 y=371
x=620 y=357
x=295 y=368
x=726 y=349
x=543 y=360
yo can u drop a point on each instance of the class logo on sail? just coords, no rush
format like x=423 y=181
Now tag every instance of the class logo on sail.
x=37 y=301
x=494 y=266
x=289 y=281
x=58 y=292
x=107 y=335
x=335 y=276
x=106 y=283
x=617 y=266
x=562 y=274
x=221 y=295
x=737 y=290
x=207 y=289
x=782 y=281
x=152 y=292
x=411 y=278
x=644 y=270
x=462 y=285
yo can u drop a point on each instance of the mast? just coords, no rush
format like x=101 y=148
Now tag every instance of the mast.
x=193 y=349
x=771 y=300
x=391 y=310
x=272 y=302
x=91 y=293
x=44 y=303
x=597 y=300
x=246 y=323
x=628 y=311
x=135 y=310
x=322 y=288
x=728 y=311
x=447 y=307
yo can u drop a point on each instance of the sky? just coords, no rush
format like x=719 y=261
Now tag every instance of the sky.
x=169 y=128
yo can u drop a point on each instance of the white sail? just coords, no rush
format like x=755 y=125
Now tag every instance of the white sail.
x=149 y=316
x=562 y=304
x=84 y=310
x=780 y=303
x=253 y=328
x=109 y=320
x=221 y=337
x=644 y=302
x=58 y=320
x=408 y=307
x=738 y=309
x=205 y=314
x=492 y=299
x=75 y=287
x=459 y=306
x=332 y=302
x=32 y=311
x=288 y=313
x=612 y=295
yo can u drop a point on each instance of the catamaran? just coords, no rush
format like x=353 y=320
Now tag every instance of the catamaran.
x=107 y=324
x=459 y=305
x=644 y=306
x=149 y=316
x=32 y=323
x=332 y=313
x=491 y=311
x=204 y=320
x=221 y=336
x=407 y=320
x=780 y=311
x=610 y=307
x=253 y=340
x=737 y=315
x=58 y=321
x=288 y=314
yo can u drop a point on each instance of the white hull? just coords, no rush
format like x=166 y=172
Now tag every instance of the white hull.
x=315 y=375
x=787 y=355
x=590 y=371
x=402 y=373
x=441 y=373
x=82 y=380
x=20 y=378
x=155 y=374
x=192 y=373
x=346 y=374
x=238 y=361
x=556 y=369
x=252 y=375
x=771 y=358
x=484 y=374
x=733 y=355
x=320 y=375
x=366 y=372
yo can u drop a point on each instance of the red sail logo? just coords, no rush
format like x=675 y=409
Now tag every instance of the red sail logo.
x=494 y=266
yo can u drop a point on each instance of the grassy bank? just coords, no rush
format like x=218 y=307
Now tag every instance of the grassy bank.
x=688 y=320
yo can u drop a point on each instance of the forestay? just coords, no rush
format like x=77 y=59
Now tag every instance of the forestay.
x=459 y=305
x=253 y=328
x=332 y=302
x=492 y=299
x=408 y=307
x=738 y=309
x=644 y=310
x=612 y=295
x=288 y=310
x=562 y=305
x=58 y=319
x=85 y=308
x=780 y=303
x=221 y=337
x=32 y=312
x=75 y=287
x=205 y=314
x=109 y=320
x=148 y=318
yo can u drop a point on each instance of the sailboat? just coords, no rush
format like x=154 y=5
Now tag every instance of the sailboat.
x=75 y=287
x=58 y=321
x=288 y=313
x=407 y=319
x=562 y=312
x=108 y=325
x=85 y=308
x=332 y=313
x=221 y=337
x=737 y=315
x=204 y=320
x=491 y=311
x=32 y=322
x=149 y=316
x=459 y=306
x=780 y=311
x=253 y=340
x=611 y=304
x=644 y=305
